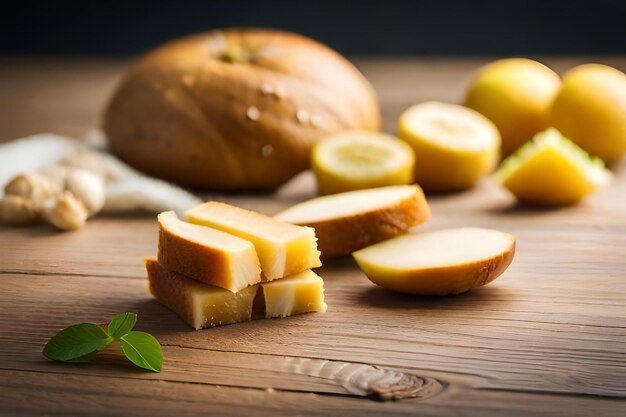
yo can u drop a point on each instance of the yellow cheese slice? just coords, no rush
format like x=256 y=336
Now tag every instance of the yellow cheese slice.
x=299 y=293
x=206 y=254
x=199 y=304
x=283 y=249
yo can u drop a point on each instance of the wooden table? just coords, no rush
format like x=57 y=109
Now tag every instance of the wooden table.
x=547 y=338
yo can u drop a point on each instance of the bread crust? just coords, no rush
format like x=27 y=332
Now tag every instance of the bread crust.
x=455 y=279
x=200 y=262
x=238 y=221
x=169 y=289
x=175 y=291
x=187 y=113
x=344 y=235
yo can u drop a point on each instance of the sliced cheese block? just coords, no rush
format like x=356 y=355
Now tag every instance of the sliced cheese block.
x=199 y=304
x=206 y=254
x=299 y=293
x=283 y=248
x=349 y=221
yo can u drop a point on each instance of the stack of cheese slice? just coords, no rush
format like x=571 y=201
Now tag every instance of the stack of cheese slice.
x=227 y=265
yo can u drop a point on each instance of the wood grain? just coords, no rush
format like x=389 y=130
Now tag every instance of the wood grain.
x=31 y=393
x=545 y=339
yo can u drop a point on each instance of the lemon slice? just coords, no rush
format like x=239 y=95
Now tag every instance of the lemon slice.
x=454 y=146
x=351 y=161
x=552 y=170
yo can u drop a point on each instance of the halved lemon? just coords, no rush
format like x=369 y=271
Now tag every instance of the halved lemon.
x=357 y=160
x=454 y=146
x=552 y=170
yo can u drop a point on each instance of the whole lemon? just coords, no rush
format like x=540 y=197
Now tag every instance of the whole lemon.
x=590 y=109
x=516 y=95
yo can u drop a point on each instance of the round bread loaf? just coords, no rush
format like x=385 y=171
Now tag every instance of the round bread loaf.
x=235 y=109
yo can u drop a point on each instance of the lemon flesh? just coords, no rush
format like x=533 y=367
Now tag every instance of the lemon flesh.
x=352 y=161
x=552 y=170
x=454 y=146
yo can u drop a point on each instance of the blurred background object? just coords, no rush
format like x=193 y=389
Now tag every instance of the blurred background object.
x=60 y=61
x=370 y=27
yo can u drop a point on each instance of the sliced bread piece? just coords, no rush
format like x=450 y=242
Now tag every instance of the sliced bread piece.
x=349 y=221
x=438 y=262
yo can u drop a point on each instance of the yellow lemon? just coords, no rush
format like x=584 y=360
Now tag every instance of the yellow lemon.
x=357 y=160
x=552 y=170
x=590 y=109
x=454 y=146
x=515 y=94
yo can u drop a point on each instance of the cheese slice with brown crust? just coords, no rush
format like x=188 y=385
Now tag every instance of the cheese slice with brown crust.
x=283 y=249
x=207 y=255
x=199 y=304
x=299 y=293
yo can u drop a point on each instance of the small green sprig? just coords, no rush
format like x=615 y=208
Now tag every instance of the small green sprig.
x=81 y=342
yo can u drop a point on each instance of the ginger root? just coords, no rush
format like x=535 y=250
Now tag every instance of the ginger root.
x=16 y=210
x=63 y=197
x=31 y=186
x=88 y=188
x=65 y=211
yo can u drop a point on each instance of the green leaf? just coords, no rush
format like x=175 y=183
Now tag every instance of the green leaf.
x=143 y=350
x=76 y=342
x=122 y=324
x=85 y=358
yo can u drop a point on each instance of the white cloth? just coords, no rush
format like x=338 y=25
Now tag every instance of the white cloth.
x=127 y=188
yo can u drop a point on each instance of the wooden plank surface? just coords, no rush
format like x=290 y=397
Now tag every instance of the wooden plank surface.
x=548 y=338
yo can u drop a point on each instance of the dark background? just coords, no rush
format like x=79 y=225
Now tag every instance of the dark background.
x=392 y=27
